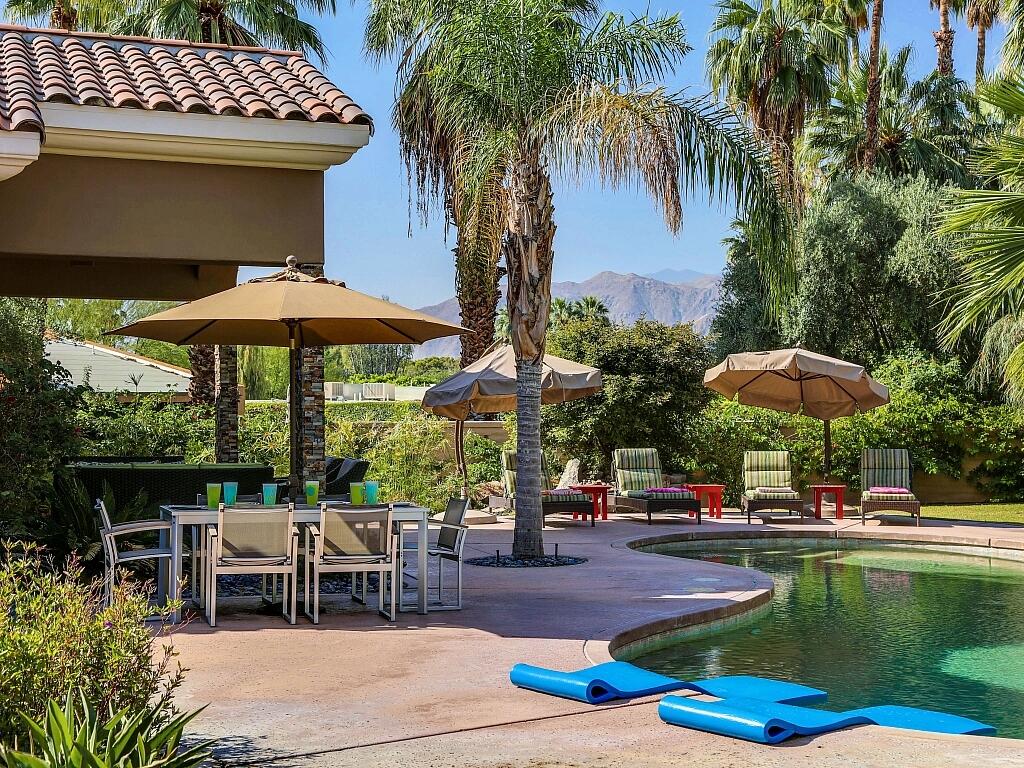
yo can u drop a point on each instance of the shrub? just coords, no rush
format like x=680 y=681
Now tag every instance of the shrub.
x=56 y=634
x=411 y=460
x=114 y=424
x=148 y=736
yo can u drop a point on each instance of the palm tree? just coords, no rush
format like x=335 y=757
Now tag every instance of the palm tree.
x=988 y=229
x=592 y=308
x=775 y=61
x=924 y=127
x=853 y=14
x=944 y=37
x=982 y=16
x=59 y=14
x=536 y=88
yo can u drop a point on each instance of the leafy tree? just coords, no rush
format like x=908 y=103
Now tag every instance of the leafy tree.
x=743 y=316
x=263 y=371
x=653 y=390
x=775 y=61
x=870 y=268
x=924 y=127
x=373 y=361
x=982 y=15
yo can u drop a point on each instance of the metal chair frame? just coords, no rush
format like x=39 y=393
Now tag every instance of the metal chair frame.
x=113 y=557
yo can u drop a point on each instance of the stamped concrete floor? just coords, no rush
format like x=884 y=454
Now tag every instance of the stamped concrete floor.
x=433 y=690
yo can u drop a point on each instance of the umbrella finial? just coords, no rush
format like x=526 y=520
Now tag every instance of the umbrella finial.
x=292 y=262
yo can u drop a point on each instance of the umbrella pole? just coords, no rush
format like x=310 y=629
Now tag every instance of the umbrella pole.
x=294 y=411
x=460 y=455
x=828 y=449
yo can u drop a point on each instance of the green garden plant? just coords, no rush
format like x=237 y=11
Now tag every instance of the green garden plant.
x=77 y=734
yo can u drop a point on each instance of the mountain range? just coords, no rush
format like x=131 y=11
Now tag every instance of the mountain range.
x=669 y=296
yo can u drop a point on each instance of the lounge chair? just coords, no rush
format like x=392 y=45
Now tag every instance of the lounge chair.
x=768 y=483
x=768 y=722
x=553 y=501
x=261 y=540
x=885 y=475
x=637 y=471
x=355 y=540
x=616 y=680
x=113 y=557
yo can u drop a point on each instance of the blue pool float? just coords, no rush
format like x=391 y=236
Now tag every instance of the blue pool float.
x=621 y=680
x=769 y=722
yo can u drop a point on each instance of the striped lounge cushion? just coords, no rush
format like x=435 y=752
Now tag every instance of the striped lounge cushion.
x=680 y=494
x=636 y=469
x=753 y=493
x=879 y=496
x=766 y=469
x=885 y=467
x=564 y=498
x=508 y=473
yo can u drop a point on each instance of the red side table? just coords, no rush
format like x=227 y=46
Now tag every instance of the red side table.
x=714 y=494
x=820 y=491
x=598 y=493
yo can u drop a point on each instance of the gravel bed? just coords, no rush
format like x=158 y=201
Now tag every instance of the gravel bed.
x=507 y=561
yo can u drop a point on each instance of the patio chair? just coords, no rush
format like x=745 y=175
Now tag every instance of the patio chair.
x=198 y=554
x=885 y=476
x=451 y=538
x=768 y=483
x=639 y=485
x=552 y=502
x=256 y=540
x=356 y=540
x=114 y=557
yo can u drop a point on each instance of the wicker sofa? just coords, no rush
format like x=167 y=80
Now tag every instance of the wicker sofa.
x=768 y=469
x=636 y=471
x=560 y=503
x=887 y=468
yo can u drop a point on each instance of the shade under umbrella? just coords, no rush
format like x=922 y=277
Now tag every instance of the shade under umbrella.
x=489 y=386
x=792 y=380
x=290 y=309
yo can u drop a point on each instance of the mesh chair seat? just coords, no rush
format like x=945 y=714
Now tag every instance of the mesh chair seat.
x=240 y=561
x=354 y=559
x=127 y=555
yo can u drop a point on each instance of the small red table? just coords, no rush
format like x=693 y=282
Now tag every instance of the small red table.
x=820 y=491
x=714 y=494
x=598 y=493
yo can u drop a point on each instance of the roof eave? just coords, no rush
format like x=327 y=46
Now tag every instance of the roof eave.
x=18 y=149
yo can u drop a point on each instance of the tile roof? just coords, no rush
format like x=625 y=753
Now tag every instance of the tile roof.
x=46 y=65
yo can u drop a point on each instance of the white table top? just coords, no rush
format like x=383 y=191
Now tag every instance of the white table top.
x=191 y=514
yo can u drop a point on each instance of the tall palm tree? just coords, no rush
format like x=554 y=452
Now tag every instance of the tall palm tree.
x=944 y=36
x=562 y=312
x=982 y=16
x=925 y=127
x=988 y=229
x=543 y=88
x=853 y=14
x=71 y=15
x=775 y=61
x=592 y=308
x=874 y=86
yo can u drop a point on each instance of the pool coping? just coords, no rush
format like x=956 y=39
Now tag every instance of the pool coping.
x=631 y=640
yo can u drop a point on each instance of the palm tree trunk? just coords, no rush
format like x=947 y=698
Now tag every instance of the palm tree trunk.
x=874 y=87
x=63 y=16
x=201 y=360
x=979 y=64
x=476 y=286
x=944 y=41
x=529 y=256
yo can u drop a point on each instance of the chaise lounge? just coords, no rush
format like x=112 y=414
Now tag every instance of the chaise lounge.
x=639 y=481
x=885 y=475
x=768 y=483
x=554 y=501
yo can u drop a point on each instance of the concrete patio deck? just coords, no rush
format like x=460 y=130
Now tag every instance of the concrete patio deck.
x=433 y=690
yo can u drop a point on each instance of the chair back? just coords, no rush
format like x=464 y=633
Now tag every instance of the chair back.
x=242 y=498
x=885 y=468
x=508 y=473
x=254 y=533
x=105 y=524
x=637 y=469
x=767 y=469
x=357 y=532
x=454 y=514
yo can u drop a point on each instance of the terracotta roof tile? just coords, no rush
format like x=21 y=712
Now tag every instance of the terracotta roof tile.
x=46 y=65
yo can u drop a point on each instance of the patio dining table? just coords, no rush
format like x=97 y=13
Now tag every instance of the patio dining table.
x=183 y=516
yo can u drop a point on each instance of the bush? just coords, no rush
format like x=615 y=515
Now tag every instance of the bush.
x=55 y=634
x=411 y=461
x=113 y=424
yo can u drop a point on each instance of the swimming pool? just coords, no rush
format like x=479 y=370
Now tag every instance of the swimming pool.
x=877 y=624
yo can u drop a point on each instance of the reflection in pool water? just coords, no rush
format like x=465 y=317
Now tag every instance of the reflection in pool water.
x=880 y=625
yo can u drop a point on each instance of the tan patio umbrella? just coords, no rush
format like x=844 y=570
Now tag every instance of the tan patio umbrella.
x=489 y=386
x=792 y=380
x=290 y=309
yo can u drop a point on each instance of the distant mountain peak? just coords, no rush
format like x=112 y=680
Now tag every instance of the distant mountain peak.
x=676 y=276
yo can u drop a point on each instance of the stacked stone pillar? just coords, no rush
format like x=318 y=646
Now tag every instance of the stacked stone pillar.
x=226 y=403
x=313 y=438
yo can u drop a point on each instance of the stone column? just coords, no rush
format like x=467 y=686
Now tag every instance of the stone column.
x=226 y=388
x=313 y=438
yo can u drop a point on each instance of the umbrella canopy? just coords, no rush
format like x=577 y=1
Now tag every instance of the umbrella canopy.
x=290 y=307
x=791 y=379
x=489 y=385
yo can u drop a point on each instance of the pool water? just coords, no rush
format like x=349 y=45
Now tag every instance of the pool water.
x=887 y=624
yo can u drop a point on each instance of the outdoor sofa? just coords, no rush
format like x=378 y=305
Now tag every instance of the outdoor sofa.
x=885 y=476
x=554 y=501
x=639 y=485
x=768 y=483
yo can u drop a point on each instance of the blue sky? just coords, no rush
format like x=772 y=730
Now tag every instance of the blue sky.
x=367 y=216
